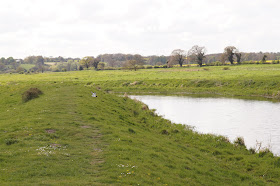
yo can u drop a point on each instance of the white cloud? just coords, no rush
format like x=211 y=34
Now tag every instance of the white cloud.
x=91 y=27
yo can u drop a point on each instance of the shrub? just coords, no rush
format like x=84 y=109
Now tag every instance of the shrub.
x=149 y=66
x=264 y=151
x=239 y=142
x=31 y=94
x=164 y=66
x=252 y=150
x=156 y=66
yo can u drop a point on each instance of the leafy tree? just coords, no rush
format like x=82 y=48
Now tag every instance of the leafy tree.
x=197 y=54
x=10 y=60
x=30 y=60
x=101 y=65
x=2 y=60
x=86 y=62
x=264 y=58
x=2 y=66
x=229 y=52
x=177 y=56
x=95 y=63
x=14 y=65
x=39 y=62
x=238 y=56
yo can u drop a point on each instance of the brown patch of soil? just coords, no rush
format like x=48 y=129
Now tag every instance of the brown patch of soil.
x=55 y=145
x=50 y=131
x=98 y=161
x=86 y=127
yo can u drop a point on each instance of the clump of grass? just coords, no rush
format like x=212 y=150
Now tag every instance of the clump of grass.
x=131 y=131
x=125 y=95
x=165 y=132
x=206 y=69
x=226 y=68
x=31 y=94
x=239 y=142
x=11 y=141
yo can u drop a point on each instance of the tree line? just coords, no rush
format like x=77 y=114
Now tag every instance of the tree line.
x=197 y=54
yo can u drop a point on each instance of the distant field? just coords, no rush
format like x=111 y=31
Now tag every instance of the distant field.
x=50 y=63
x=242 y=80
x=66 y=137
x=27 y=66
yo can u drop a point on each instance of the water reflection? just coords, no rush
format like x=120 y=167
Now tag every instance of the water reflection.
x=256 y=121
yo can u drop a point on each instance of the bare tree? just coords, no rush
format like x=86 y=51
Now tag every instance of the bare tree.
x=229 y=52
x=177 y=56
x=140 y=60
x=197 y=54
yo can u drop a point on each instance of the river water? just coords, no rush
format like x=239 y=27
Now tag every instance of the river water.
x=255 y=121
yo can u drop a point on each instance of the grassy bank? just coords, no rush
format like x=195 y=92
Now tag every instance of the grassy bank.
x=67 y=137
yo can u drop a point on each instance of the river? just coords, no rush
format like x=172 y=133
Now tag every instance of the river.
x=255 y=121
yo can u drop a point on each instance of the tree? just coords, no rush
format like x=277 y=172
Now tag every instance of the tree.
x=30 y=60
x=197 y=54
x=177 y=56
x=10 y=60
x=132 y=64
x=238 y=56
x=14 y=65
x=2 y=66
x=229 y=52
x=86 y=62
x=40 y=63
x=95 y=63
x=2 y=60
x=101 y=65
x=264 y=58
x=140 y=60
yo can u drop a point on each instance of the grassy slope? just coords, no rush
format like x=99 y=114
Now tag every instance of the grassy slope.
x=109 y=140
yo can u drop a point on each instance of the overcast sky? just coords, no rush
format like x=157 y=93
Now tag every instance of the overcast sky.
x=78 y=28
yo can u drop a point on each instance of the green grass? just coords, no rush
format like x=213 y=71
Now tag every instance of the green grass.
x=27 y=66
x=66 y=137
x=244 y=80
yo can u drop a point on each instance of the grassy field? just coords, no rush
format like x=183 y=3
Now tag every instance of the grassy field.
x=66 y=137
x=27 y=66
x=257 y=81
